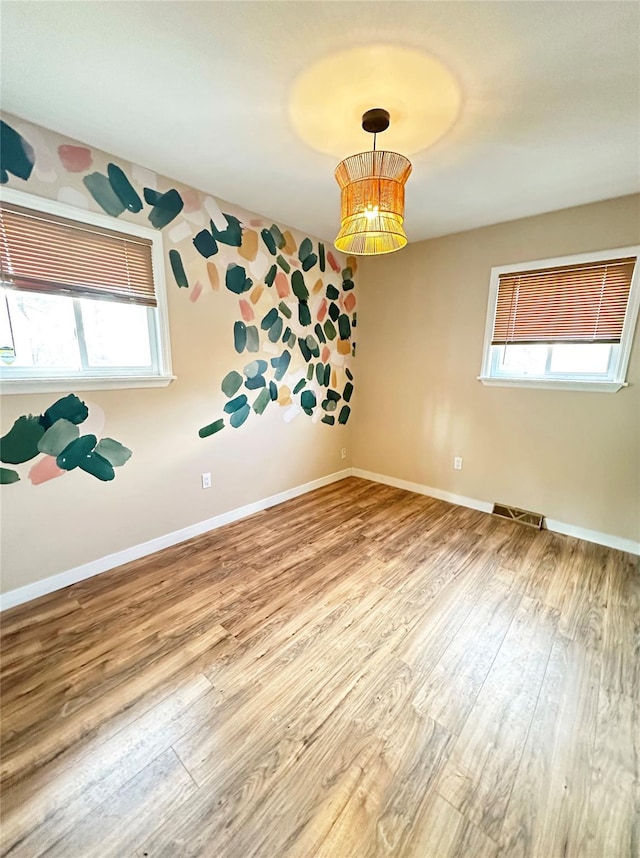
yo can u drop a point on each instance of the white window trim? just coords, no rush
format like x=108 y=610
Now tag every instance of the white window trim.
x=117 y=380
x=620 y=370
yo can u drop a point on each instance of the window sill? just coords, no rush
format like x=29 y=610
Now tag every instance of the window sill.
x=64 y=385
x=554 y=384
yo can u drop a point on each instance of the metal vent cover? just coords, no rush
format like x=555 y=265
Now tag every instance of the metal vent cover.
x=524 y=516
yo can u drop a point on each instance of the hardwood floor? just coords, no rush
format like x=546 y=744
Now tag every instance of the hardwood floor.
x=358 y=673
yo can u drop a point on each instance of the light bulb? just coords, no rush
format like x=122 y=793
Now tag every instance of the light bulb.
x=371 y=212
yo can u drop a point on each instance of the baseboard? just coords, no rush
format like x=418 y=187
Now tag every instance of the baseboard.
x=607 y=539
x=418 y=488
x=103 y=564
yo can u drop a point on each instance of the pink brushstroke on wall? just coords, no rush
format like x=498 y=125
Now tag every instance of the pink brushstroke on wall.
x=282 y=285
x=45 y=469
x=195 y=292
x=247 y=311
x=191 y=200
x=75 y=159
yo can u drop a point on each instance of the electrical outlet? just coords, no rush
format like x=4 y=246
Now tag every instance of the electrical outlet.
x=206 y=481
x=457 y=463
x=344 y=453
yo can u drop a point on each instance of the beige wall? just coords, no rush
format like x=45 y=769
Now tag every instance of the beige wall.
x=75 y=518
x=573 y=456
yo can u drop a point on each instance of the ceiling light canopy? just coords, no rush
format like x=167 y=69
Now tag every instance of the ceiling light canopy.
x=372 y=195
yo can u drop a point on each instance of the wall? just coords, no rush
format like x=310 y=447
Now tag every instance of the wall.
x=573 y=456
x=74 y=519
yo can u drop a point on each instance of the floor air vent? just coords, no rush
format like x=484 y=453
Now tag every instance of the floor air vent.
x=532 y=519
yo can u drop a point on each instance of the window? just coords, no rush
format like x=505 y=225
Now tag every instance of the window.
x=565 y=323
x=82 y=300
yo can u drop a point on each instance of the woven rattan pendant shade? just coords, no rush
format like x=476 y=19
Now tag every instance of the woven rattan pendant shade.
x=372 y=202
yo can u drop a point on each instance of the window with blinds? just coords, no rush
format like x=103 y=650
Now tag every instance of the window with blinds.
x=566 y=323
x=82 y=299
x=583 y=303
x=40 y=252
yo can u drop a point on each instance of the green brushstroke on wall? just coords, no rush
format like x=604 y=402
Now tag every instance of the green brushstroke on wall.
x=238 y=417
x=276 y=330
x=20 y=444
x=166 y=208
x=235 y=404
x=123 y=188
x=115 y=453
x=262 y=400
x=344 y=327
x=97 y=466
x=205 y=244
x=299 y=287
x=281 y=364
x=304 y=314
x=278 y=237
x=271 y=275
x=308 y=401
x=8 y=476
x=100 y=189
x=177 y=268
x=332 y=292
x=253 y=339
x=269 y=319
x=16 y=155
x=239 y=336
x=256 y=367
x=306 y=247
x=211 y=428
x=345 y=411
x=232 y=235
x=282 y=262
x=58 y=436
x=231 y=383
x=68 y=408
x=269 y=241
x=236 y=279
x=329 y=329
x=75 y=452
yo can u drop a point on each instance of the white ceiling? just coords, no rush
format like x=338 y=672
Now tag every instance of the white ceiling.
x=200 y=92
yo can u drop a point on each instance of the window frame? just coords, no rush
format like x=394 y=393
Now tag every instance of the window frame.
x=620 y=355
x=110 y=378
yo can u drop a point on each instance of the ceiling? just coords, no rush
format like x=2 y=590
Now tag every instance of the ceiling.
x=205 y=92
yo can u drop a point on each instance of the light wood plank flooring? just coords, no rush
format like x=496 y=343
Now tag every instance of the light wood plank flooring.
x=358 y=673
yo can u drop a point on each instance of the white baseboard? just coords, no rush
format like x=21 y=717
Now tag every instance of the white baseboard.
x=608 y=539
x=103 y=564
x=418 y=488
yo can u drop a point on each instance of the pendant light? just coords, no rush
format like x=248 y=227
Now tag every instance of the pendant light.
x=372 y=195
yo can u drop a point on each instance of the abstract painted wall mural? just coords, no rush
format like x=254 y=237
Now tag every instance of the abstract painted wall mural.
x=55 y=438
x=296 y=316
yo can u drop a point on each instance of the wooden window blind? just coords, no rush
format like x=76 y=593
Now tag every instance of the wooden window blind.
x=40 y=252
x=572 y=304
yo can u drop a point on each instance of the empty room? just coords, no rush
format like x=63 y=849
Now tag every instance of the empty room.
x=319 y=429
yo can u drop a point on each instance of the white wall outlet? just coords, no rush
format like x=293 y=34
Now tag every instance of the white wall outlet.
x=206 y=481
x=457 y=463
x=344 y=453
